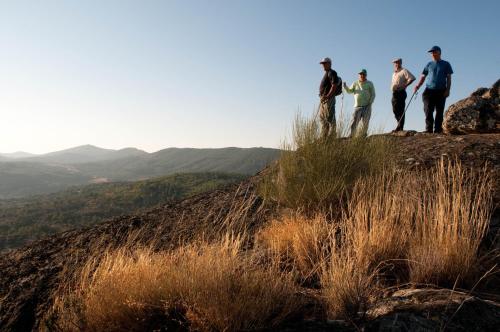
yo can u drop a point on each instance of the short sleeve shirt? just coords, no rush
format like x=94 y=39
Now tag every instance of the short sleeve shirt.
x=437 y=73
x=328 y=80
x=400 y=79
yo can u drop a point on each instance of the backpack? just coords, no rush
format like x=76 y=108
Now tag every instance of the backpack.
x=338 y=87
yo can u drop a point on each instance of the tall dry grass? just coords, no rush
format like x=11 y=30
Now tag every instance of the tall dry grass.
x=298 y=244
x=453 y=212
x=313 y=174
x=428 y=226
x=398 y=227
x=213 y=287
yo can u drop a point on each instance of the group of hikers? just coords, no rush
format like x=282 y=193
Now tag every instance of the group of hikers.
x=438 y=73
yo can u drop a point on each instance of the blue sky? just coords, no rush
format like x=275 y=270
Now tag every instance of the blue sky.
x=156 y=74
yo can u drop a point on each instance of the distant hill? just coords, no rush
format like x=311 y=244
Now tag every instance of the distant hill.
x=20 y=178
x=85 y=154
x=87 y=164
x=23 y=220
x=16 y=155
x=175 y=160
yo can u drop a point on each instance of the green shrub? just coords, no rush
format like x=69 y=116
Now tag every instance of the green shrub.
x=313 y=173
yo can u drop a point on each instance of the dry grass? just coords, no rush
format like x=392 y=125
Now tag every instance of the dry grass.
x=427 y=226
x=452 y=217
x=398 y=227
x=346 y=283
x=296 y=243
x=372 y=236
x=207 y=286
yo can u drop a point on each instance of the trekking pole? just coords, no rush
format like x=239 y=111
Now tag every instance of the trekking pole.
x=342 y=105
x=341 y=115
x=406 y=108
x=317 y=112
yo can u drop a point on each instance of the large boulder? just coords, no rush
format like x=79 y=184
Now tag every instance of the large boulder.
x=478 y=113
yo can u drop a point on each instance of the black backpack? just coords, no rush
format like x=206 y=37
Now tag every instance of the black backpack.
x=338 y=87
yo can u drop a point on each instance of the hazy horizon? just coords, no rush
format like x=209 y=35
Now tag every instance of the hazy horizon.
x=158 y=74
x=132 y=147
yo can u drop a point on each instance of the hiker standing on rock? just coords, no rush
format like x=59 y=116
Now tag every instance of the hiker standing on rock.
x=327 y=89
x=436 y=91
x=364 y=95
x=401 y=79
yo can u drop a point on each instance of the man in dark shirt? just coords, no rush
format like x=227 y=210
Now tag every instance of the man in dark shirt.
x=438 y=73
x=327 y=99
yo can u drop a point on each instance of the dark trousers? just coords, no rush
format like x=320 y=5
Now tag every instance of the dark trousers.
x=398 y=107
x=434 y=100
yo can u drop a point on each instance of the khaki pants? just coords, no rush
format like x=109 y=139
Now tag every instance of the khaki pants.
x=361 y=114
x=327 y=117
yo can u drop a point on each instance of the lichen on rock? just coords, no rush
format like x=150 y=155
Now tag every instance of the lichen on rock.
x=478 y=113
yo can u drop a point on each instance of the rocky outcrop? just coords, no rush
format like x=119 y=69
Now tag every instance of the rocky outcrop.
x=478 y=113
x=433 y=310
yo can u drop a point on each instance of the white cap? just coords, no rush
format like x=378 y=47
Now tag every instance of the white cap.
x=397 y=60
x=326 y=60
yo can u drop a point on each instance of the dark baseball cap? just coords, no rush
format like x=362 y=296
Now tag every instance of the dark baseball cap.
x=435 y=49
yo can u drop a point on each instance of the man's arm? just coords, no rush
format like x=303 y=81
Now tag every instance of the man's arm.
x=349 y=89
x=448 y=86
x=420 y=82
x=409 y=78
x=331 y=93
x=372 y=93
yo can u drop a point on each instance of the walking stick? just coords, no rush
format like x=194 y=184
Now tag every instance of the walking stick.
x=406 y=108
x=317 y=112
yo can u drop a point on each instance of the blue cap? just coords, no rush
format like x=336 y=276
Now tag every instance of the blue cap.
x=434 y=49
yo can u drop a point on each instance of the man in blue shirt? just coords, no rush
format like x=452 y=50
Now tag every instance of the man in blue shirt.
x=438 y=73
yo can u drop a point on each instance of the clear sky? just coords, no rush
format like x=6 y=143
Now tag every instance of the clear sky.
x=157 y=74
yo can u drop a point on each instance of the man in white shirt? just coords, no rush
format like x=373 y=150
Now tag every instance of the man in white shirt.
x=401 y=79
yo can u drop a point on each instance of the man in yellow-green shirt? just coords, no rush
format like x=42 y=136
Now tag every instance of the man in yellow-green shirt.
x=364 y=95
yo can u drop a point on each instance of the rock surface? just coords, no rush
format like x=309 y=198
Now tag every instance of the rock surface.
x=478 y=113
x=433 y=310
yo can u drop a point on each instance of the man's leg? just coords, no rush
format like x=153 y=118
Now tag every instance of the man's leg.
x=440 y=101
x=323 y=118
x=365 y=117
x=401 y=101
x=394 y=102
x=428 y=99
x=331 y=118
x=355 y=120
